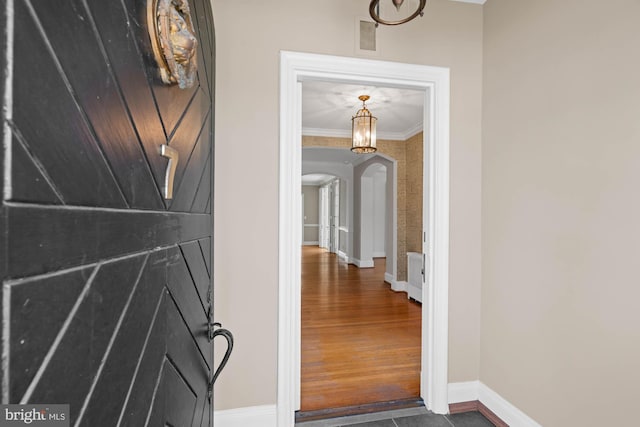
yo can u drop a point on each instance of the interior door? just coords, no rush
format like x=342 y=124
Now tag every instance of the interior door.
x=335 y=216
x=107 y=291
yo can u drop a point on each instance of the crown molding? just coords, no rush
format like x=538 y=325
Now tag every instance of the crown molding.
x=343 y=133
x=472 y=1
x=329 y=133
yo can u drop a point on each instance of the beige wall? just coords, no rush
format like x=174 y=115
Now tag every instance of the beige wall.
x=561 y=209
x=250 y=35
x=414 y=148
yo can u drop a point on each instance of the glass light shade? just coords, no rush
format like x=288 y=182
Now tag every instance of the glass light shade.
x=363 y=132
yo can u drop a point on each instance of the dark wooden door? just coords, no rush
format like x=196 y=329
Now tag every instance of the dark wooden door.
x=106 y=284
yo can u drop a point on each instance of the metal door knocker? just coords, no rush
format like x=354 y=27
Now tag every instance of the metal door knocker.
x=173 y=40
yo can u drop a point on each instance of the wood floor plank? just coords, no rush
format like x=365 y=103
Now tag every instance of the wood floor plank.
x=360 y=340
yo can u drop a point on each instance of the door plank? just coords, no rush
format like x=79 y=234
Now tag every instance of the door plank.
x=174 y=402
x=188 y=185
x=62 y=141
x=80 y=55
x=206 y=416
x=29 y=181
x=172 y=103
x=181 y=350
x=90 y=235
x=184 y=292
x=201 y=201
x=197 y=268
x=205 y=246
x=88 y=334
x=136 y=408
x=128 y=64
x=50 y=298
x=205 y=57
x=186 y=136
x=108 y=397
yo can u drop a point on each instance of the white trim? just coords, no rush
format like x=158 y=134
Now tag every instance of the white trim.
x=413 y=131
x=255 y=416
x=343 y=256
x=389 y=278
x=463 y=392
x=365 y=263
x=312 y=225
x=396 y=285
x=472 y=1
x=329 y=133
x=310 y=243
x=289 y=254
x=346 y=133
x=505 y=410
x=399 y=286
x=434 y=82
x=379 y=255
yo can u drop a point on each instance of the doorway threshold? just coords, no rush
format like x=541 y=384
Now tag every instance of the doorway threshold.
x=367 y=408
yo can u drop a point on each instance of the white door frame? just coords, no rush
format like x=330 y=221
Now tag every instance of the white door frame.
x=434 y=81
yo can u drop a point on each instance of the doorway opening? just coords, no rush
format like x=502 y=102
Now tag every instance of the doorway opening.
x=361 y=342
x=433 y=82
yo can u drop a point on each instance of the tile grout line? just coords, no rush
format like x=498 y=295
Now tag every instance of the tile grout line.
x=449 y=421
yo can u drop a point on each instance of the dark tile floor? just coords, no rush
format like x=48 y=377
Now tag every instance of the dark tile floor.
x=469 y=419
x=404 y=418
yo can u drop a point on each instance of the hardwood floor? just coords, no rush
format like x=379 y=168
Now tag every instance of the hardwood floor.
x=360 y=340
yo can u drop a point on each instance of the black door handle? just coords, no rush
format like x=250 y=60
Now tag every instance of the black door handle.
x=213 y=332
x=229 y=337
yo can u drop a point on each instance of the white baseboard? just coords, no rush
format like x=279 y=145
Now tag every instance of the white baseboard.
x=310 y=243
x=399 y=286
x=343 y=256
x=396 y=285
x=476 y=390
x=504 y=409
x=367 y=263
x=255 y=416
x=463 y=392
x=379 y=255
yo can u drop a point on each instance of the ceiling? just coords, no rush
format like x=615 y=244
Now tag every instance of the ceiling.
x=327 y=109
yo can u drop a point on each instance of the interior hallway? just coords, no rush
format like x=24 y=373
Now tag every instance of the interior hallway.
x=360 y=340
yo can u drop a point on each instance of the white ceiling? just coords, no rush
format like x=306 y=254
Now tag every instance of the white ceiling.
x=327 y=109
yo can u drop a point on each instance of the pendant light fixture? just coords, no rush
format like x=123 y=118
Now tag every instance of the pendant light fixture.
x=363 y=129
x=400 y=16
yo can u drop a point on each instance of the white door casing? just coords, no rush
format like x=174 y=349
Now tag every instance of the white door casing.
x=434 y=81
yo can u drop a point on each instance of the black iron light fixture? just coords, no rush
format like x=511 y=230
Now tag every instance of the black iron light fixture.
x=403 y=13
x=363 y=129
